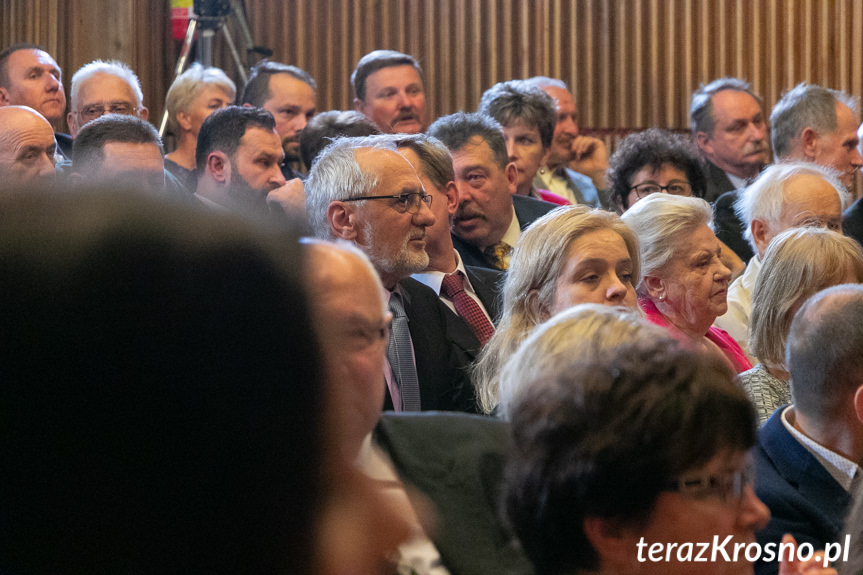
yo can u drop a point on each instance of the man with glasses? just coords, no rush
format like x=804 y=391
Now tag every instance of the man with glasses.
x=363 y=191
x=104 y=88
x=807 y=462
x=786 y=195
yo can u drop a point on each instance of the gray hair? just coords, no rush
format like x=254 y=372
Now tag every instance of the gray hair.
x=763 y=199
x=517 y=101
x=188 y=85
x=797 y=263
x=575 y=335
x=456 y=131
x=112 y=67
x=701 y=117
x=805 y=106
x=662 y=223
x=823 y=351
x=336 y=175
x=434 y=155
x=546 y=82
x=531 y=282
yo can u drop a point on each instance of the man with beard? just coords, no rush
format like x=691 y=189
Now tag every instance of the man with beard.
x=489 y=218
x=238 y=159
x=288 y=93
x=390 y=91
x=363 y=191
x=729 y=128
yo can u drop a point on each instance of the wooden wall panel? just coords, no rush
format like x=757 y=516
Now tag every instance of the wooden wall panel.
x=631 y=63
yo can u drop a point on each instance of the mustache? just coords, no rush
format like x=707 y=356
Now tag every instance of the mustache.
x=754 y=147
x=407 y=115
x=468 y=210
x=417 y=234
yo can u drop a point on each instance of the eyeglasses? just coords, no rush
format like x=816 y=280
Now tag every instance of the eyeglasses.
x=674 y=187
x=728 y=486
x=96 y=110
x=405 y=203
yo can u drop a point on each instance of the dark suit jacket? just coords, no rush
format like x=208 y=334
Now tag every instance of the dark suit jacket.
x=802 y=496
x=456 y=461
x=487 y=283
x=717 y=182
x=526 y=211
x=444 y=347
x=852 y=222
x=729 y=228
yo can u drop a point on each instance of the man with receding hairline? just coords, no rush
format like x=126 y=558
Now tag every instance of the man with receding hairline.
x=26 y=147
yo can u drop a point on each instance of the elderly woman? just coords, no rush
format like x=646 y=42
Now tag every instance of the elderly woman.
x=571 y=255
x=657 y=161
x=684 y=283
x=643 y=447
x=797 y=264
x=194 y=95
x=577 y=334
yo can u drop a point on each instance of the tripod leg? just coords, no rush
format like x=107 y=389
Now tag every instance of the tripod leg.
x=181 y=65
x=239 y=63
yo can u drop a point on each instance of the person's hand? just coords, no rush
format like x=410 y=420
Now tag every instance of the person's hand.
x=813 y=566
x=290 y=199
x=589 y=156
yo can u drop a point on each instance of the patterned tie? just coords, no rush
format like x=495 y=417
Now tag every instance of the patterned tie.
x=453 y=288
x=496 y=255
x=400 y=355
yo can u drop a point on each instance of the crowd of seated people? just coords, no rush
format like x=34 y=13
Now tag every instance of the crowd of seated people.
x=373 y=341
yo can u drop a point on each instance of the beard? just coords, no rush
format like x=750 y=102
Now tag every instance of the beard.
x=399 y=263
x=248 y=200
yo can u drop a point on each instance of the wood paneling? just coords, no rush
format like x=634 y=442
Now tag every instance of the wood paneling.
x=631 y=63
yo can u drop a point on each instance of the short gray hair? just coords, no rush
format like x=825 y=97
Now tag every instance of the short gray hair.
x=546 y=82
x=575 y=335
x=823 y=352
x=112 y=67
x=531 y=283
x=662 y=223
x=805 y=106
x=188 y=85
x=457 y=130
x=763 y=199
x=701 y=117
x=336 y=175
x=797 y=263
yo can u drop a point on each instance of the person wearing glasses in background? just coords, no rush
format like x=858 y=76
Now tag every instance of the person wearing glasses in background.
x=363 y=191
x=655 y=161
x=102 y=87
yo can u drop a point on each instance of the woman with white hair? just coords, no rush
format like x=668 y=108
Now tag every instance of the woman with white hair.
x=194 y=95
x=797 y=264
x=575 y=335
x=573 y=254
x=684 y=284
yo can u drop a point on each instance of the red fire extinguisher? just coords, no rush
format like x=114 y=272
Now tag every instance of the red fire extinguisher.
x=181 y=11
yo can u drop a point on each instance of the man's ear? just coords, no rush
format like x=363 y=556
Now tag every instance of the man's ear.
x=611 y=540
x=702 y=139
x=809 y=143
x=359 y=106
x=858 y=403
x=512 y=177
x=144 y=113
x=75 y=178
x=4 y=97
x=655 y=287
x=760 y=234
x=219 y=167
x=451 y=191
x=343 y=221
x=73 y=124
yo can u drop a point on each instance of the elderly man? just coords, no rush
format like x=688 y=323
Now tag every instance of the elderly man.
x=26 y=148
x=363 y=191
x=288 y=93
x=729 y=128
x=390 y=90
x=489 y=219
x=471 y=293
x=238 y=160
x=102 y=87
x=808 y=455
x=116 y=150
x=786 y=195
x=853 y=216
x=566 y=145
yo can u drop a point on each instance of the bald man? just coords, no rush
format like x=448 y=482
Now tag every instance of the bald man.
x=26 y=147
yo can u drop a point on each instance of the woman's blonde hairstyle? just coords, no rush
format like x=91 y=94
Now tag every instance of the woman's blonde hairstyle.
x=662 y=222
x=575 y=335
x=798 y=263
x=531 y=281
x=186 y=87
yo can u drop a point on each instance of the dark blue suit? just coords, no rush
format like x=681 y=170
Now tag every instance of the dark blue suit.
x=802 y=496
x=526 y=211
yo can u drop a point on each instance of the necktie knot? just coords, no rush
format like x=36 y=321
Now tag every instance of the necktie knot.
x=465 y=306
x=497 y=254
x=452 y=284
